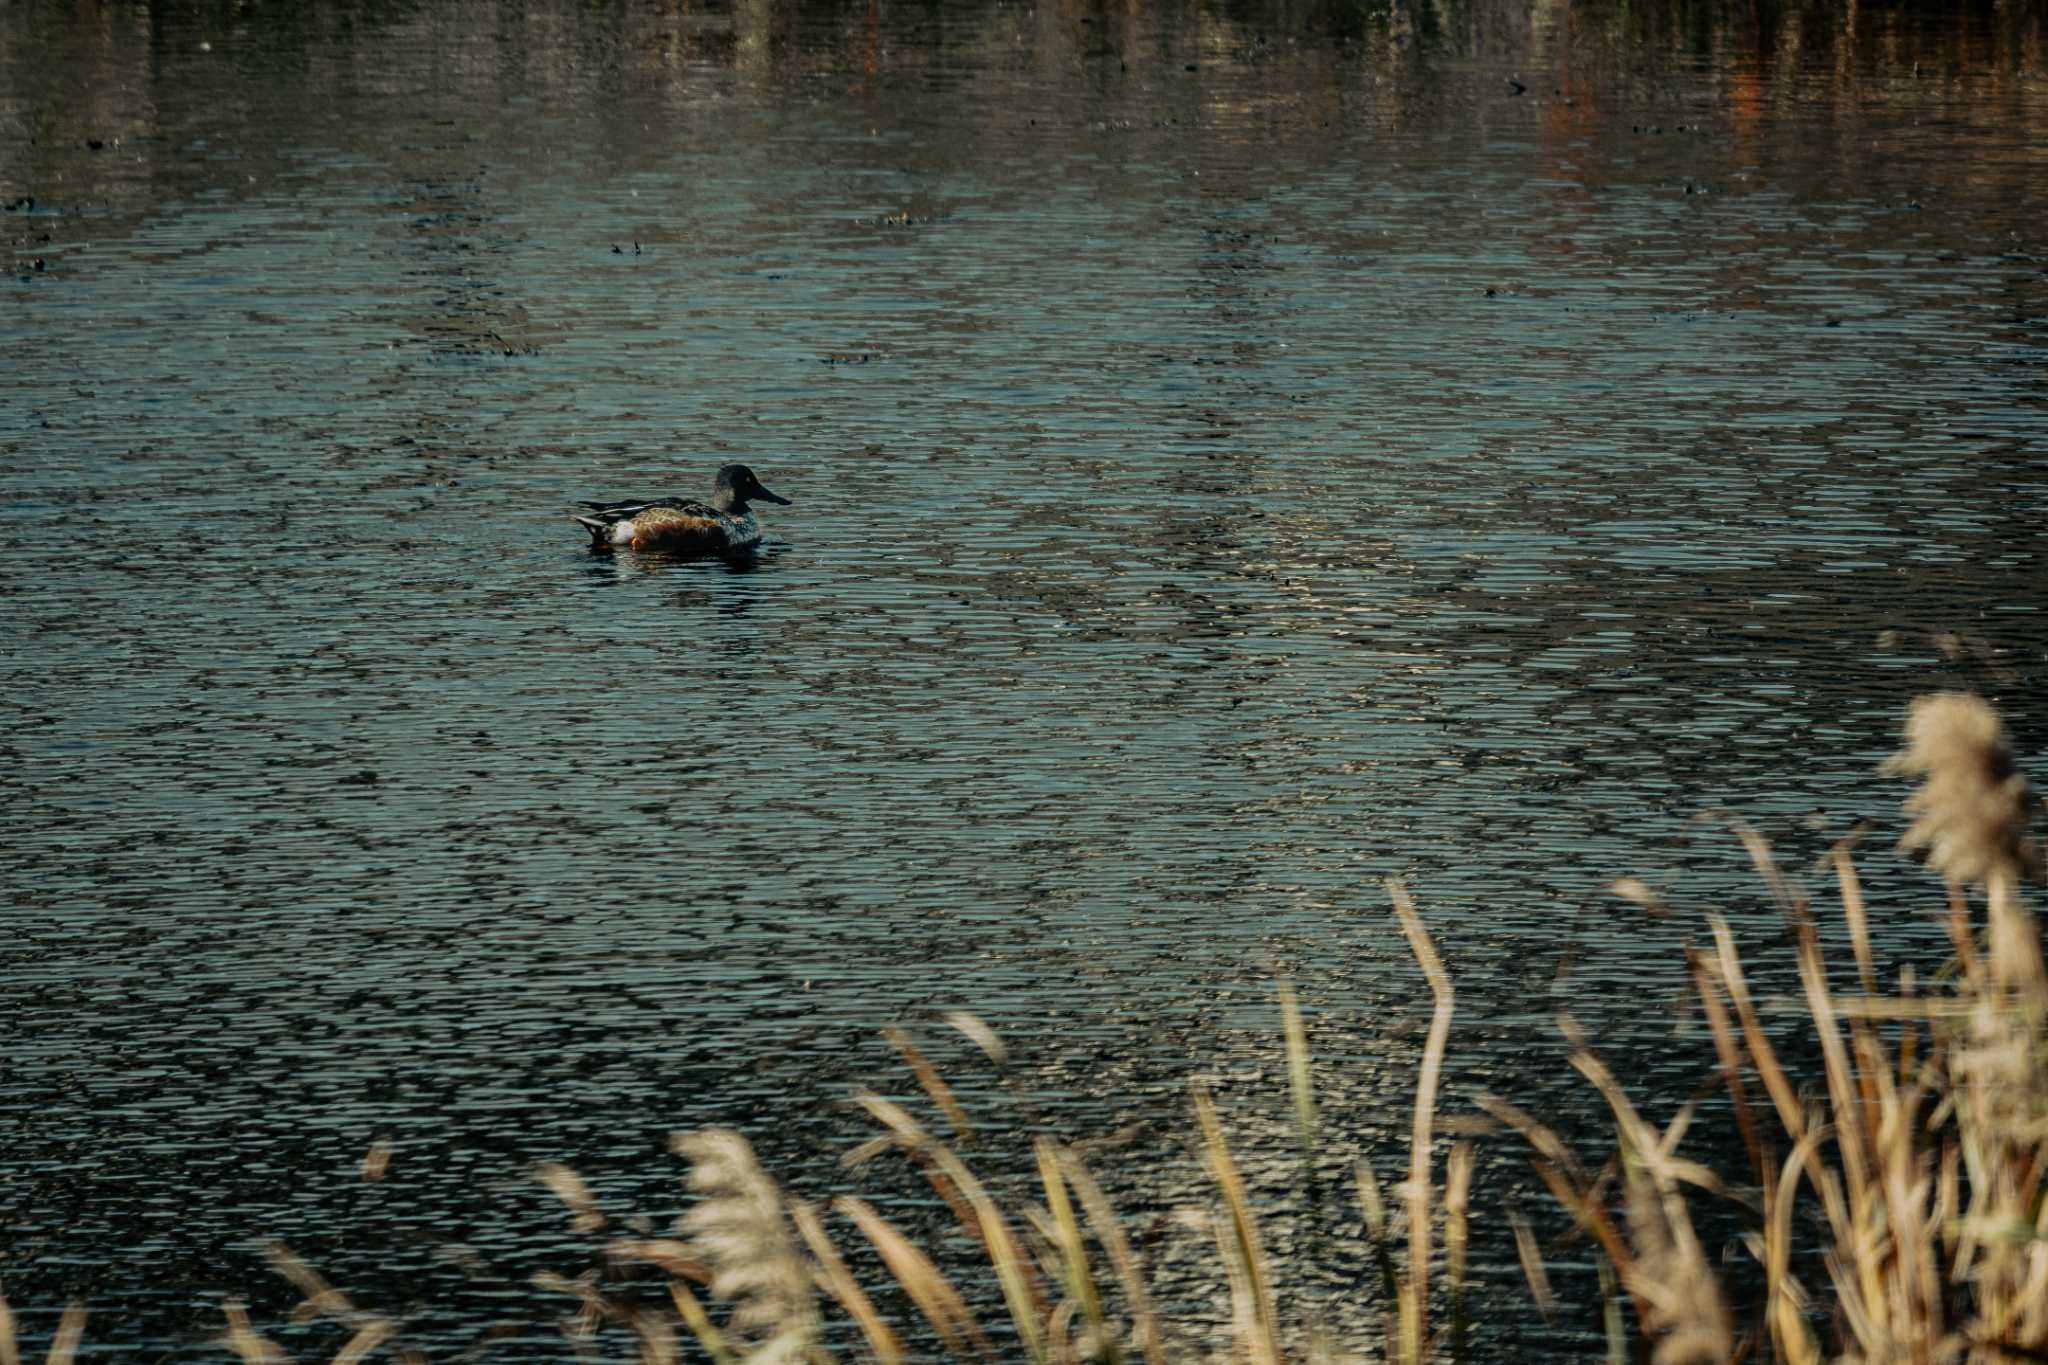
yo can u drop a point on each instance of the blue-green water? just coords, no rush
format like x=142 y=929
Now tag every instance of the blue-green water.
x=1238 y=456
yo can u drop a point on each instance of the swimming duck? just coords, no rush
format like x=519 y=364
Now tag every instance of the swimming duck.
x=681 y=526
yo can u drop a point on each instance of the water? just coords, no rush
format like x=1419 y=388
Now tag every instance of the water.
x=1238 y=456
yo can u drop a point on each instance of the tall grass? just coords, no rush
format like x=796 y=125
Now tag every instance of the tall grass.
x=1923 y=1151
x=1894 y=1203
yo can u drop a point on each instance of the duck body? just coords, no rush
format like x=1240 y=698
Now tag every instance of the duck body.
x=720 y=525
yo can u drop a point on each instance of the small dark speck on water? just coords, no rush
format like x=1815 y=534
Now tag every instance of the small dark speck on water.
x=365 y=778
x=94 y=144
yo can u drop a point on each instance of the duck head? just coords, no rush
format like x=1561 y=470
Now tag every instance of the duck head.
x=737 y=486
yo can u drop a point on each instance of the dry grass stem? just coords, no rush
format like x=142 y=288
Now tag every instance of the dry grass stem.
x=839 y=1282
x=1415 y=1296
x=366 y=1340
x=978 y=1214
x=691 y=1310
x=568 y=1187
x=1533 y=1270
x=1685 y=1314
x=668 y=1254
x=1073 y=1251
x=322 y=1298
x=1643 y=894
x=243 y=1339
x=1245 y=1253
x=1109 y=1232
x=1610 y=1314
x=591 y=1309
x=70 y=1331
x=934 y=1296
x=657 y=1338
x=1457 y=1209
x=980 y=1034
x=934 y=1084
x=1294 y=1035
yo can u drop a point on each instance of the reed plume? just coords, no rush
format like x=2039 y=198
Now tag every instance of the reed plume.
x=1974 y=808
x=738 y=1229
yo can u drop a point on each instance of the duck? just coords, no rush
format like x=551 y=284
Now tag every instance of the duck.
x=720 y=525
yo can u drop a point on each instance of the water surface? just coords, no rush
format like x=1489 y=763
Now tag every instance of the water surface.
x=1239 y=455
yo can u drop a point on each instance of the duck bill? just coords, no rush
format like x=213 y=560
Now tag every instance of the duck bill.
x=765 y=496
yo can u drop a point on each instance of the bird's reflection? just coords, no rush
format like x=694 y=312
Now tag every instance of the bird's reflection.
x=696 y=576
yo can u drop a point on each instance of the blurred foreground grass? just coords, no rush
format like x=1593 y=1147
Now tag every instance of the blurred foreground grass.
x=1917 y=1159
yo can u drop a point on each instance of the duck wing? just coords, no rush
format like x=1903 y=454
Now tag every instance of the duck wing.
x=624 y=511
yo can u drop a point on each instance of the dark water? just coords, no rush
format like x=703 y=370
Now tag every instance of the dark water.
x=1239 y=455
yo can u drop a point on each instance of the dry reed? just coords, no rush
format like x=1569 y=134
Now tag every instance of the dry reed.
x=63 y=1346
x=1923 y=1154
x=739 y=1229
x=1919 y=1151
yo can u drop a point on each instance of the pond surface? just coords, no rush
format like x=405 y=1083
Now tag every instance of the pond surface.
x=1238 y=455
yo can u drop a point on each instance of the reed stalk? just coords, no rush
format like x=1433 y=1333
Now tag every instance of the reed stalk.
x=1415 y=1292
x=1294 y=1035
x=1073 y=1251
x=1108 y=1229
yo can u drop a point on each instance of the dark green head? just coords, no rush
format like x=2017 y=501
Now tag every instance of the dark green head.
x=737 y=486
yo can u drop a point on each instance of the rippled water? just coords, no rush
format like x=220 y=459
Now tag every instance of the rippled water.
x=1238 y=456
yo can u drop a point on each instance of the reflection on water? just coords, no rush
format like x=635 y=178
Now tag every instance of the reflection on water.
x=1239 y=454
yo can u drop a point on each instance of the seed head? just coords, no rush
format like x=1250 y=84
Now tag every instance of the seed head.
x=739 y=1229
x=1972 y=811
